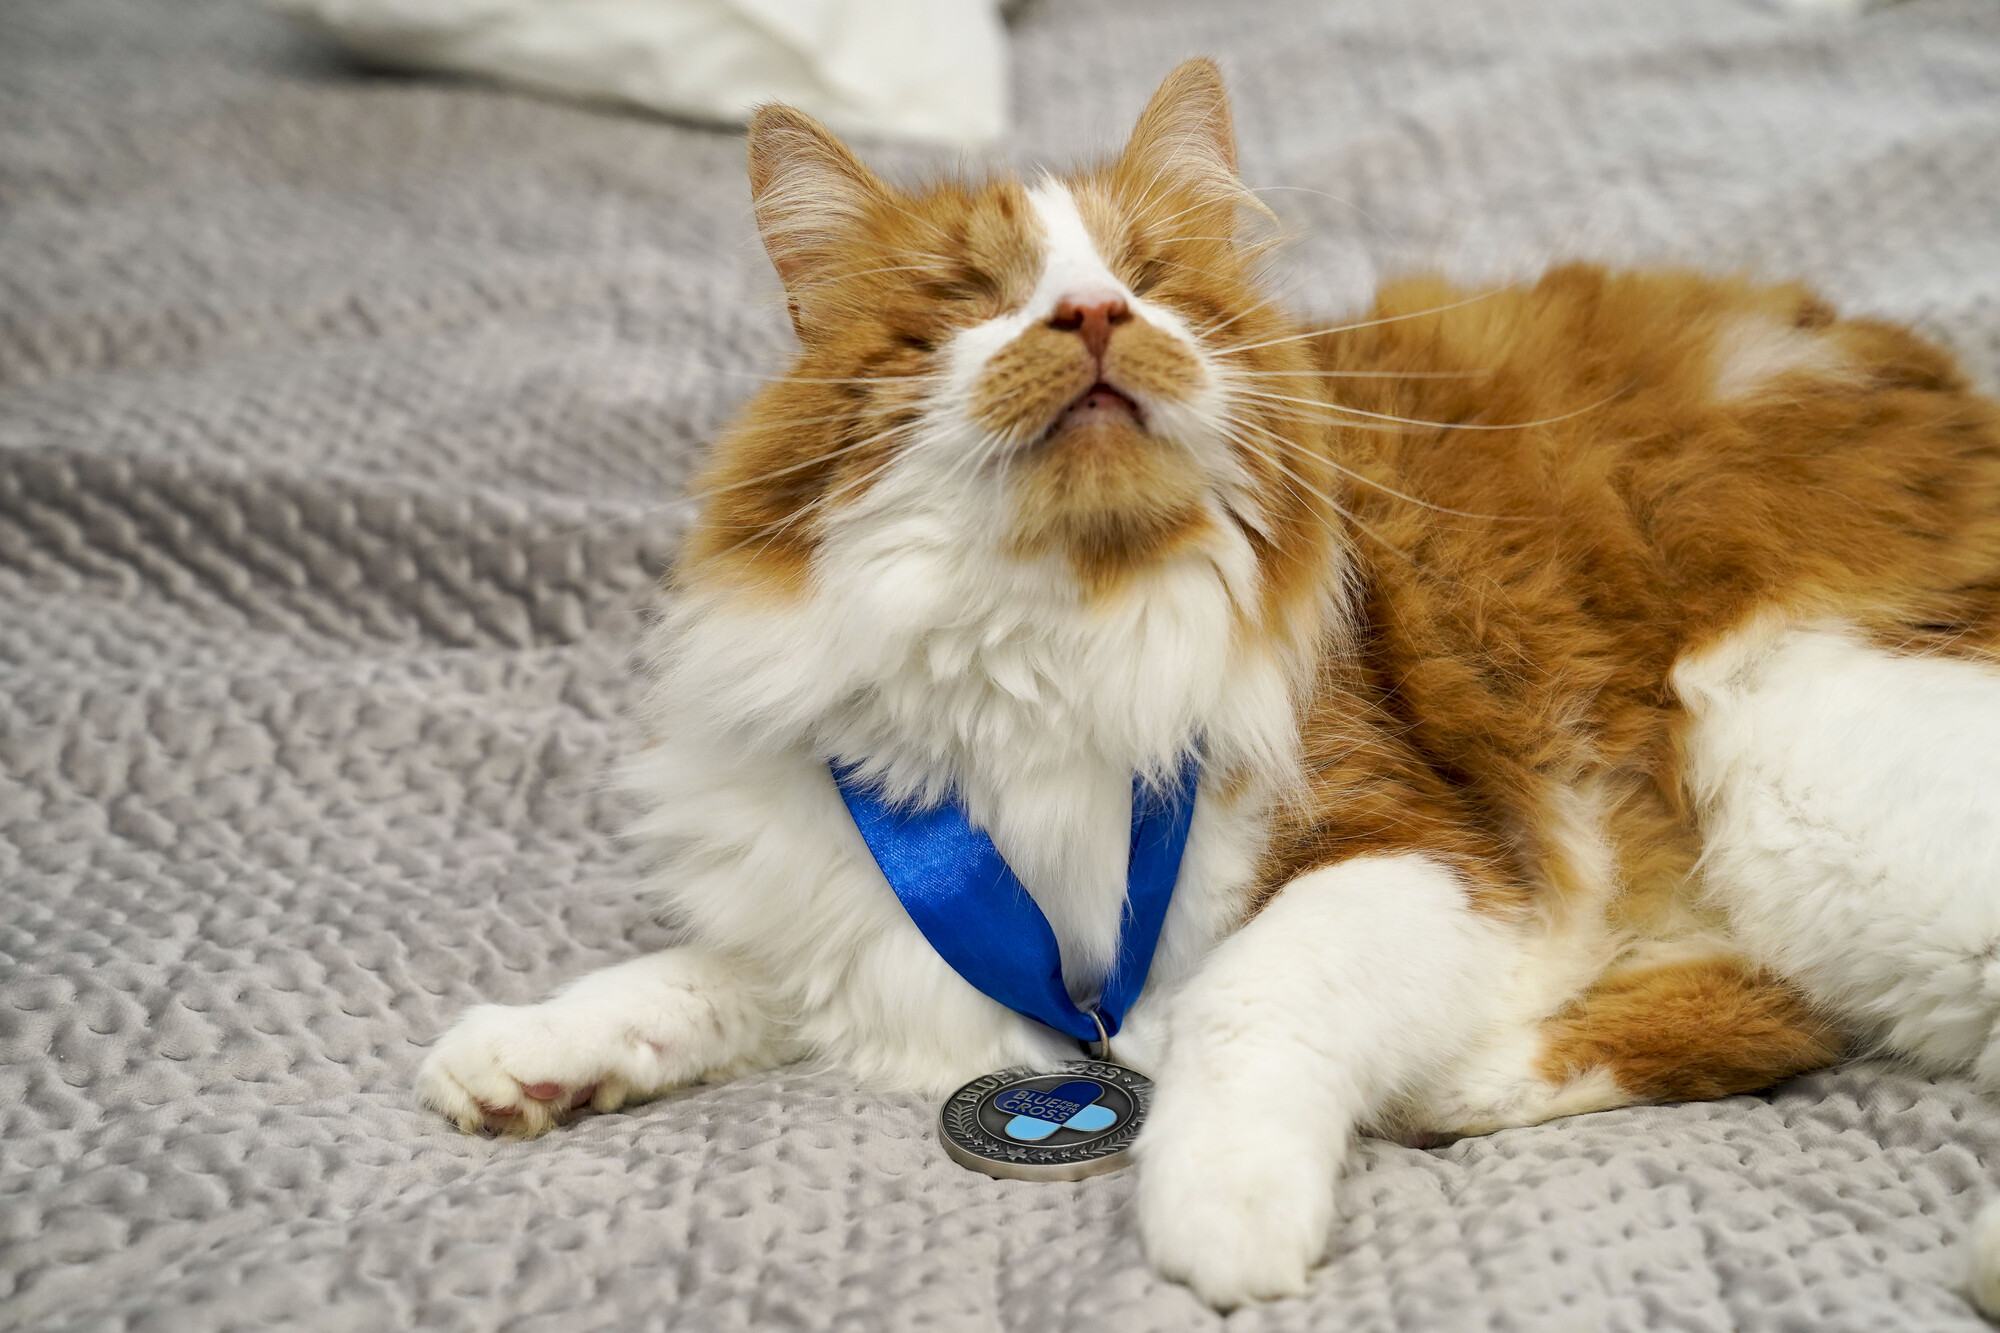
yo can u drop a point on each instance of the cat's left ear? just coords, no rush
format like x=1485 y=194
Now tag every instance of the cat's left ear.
x=811 y=197
x=1186 y=134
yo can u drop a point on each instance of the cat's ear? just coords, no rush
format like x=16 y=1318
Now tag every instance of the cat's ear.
x=1186 y=133
x=810 y=194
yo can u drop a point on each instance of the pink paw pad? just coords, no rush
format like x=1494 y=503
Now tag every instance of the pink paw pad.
x=556 y=1092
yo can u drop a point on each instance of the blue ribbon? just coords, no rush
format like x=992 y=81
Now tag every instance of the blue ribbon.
x=968 y=903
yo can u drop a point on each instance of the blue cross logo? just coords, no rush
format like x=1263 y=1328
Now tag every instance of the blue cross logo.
x=1070 y=1105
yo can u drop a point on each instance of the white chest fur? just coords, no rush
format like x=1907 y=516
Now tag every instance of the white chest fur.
x=938 y=668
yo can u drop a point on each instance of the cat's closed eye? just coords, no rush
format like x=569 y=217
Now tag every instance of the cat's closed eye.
x=1147 y=272
x=964 y=286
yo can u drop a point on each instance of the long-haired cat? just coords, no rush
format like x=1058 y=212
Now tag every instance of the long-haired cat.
x=1591 y=684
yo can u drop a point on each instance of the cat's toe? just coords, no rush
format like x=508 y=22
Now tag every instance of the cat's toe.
x=506 y=1070
x=560 y=1095
x=1237 y=1226
x=610 y=1095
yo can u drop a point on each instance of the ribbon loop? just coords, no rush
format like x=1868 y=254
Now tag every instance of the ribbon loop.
x=967 y=901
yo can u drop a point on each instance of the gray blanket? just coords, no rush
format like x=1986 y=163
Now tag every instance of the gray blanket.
x=342 y=424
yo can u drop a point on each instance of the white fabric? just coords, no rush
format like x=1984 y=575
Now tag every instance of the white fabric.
x=343 y=427
x=922 y=69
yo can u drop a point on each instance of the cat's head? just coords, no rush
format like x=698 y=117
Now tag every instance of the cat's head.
x=1077 y=371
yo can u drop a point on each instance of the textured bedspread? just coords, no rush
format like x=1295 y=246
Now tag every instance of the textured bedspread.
x=343 y=421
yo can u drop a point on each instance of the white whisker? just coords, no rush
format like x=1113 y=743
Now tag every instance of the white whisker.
x=1390 y=490
x=1292 y=478
x=771 y=377
x=1344 y=203
x=832 y=278
x=1415 y=421
x=1363 y=324
x=704 y=492
x=777 y=530
x=1276 y=412
x=1361 y=374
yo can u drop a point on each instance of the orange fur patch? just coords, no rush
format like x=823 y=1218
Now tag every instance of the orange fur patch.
x=877 y=280
x=1583 y=510
x=1030 y=381
x=1689 y=1032
x=1142 y=357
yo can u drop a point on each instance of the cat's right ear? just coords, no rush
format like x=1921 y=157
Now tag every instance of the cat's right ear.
x=811 y=196
x=1186 y=134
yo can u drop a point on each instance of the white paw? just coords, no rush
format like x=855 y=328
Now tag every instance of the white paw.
x=1982 y=1251
x=518 y=1070
x=1237 y=1213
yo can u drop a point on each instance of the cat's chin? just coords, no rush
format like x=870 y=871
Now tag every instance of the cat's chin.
x=1099 y=408
x=1102 y=432
x=1104 y=493
x=1107 y=451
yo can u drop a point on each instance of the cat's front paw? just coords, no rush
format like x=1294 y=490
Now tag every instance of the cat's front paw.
x=515 y=1069
x=1237 y=1215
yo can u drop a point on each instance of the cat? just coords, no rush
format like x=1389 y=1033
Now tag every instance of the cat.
x=1593 y=684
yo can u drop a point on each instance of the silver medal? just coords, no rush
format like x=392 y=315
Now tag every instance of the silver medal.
x=1076 y=1121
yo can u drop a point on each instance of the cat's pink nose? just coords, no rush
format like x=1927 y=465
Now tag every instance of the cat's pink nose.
x=1092 y=320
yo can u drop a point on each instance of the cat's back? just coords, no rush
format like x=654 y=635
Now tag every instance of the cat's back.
x=1659 y=454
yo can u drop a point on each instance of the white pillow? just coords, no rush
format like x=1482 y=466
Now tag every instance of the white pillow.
x=923 y=69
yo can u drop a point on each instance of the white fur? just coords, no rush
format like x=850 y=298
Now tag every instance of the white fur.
x=1851 y=802
x=1073 y=270
x=1756 y=352
x=630 y=1031
x=1356 y=983
x=936 y=661
x=1497 y=1081
x=1982 y=1261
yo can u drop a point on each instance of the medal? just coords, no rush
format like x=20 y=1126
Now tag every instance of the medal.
x=1020 y=1124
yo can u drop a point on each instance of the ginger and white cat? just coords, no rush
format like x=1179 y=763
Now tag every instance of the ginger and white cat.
x=1592 y=682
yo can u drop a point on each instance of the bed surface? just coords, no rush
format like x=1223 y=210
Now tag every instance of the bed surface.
x=343 y=421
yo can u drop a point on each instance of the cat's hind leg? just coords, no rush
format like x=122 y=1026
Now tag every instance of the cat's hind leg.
x=1850 y=806
x=1354 y=982
x=618 y=1035
x=1693 y=1029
